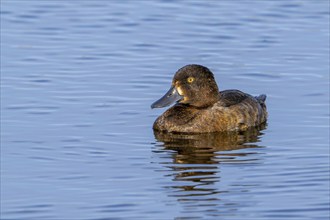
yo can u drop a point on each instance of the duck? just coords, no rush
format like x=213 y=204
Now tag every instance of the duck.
x=201 y=108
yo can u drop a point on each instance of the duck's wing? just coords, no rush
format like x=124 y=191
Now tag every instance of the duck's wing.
x=232 y=97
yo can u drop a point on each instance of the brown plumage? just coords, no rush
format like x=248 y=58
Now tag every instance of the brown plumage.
x=201 y=108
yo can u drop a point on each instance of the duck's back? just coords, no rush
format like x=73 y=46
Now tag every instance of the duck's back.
x=241 y=110
x=234 y=97
x=235 y=110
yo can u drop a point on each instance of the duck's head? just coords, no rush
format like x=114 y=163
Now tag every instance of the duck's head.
x=192 y=85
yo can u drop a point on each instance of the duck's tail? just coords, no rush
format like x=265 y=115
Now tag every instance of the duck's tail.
x=261 y=98
x=263 y=114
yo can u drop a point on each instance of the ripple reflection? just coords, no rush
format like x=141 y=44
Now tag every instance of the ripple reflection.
x=194 y=162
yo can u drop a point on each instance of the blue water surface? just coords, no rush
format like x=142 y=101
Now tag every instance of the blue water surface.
x=77 y=81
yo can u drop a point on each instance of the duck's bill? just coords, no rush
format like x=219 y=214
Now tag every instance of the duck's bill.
x=170 y=97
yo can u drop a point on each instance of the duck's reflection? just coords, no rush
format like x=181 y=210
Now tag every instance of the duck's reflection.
x=195 y=160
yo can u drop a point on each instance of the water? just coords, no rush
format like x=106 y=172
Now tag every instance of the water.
x=77 y=81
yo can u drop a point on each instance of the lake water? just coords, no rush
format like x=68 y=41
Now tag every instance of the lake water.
x=77 y=82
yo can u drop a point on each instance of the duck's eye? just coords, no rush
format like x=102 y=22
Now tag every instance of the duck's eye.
x=190 y=79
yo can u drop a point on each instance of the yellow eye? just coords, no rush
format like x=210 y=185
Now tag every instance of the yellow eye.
x=190 y=79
